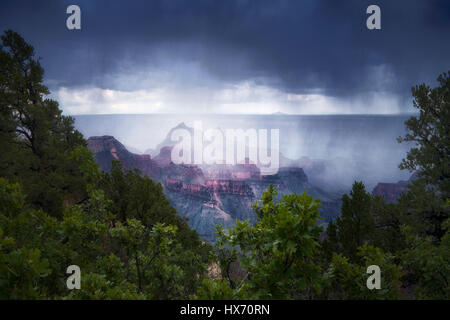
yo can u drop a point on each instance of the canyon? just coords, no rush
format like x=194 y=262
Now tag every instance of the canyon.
x=210 y=195
x=218 y=194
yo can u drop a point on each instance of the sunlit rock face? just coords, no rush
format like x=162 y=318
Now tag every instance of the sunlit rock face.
x=107 y=148
x=392 y=191
x=211 y=195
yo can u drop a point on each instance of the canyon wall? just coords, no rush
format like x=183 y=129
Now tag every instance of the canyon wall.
x=211 y=195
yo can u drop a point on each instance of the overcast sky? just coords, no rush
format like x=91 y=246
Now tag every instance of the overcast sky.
x=225 y=56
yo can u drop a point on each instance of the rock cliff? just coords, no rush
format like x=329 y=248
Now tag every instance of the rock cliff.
x=210 y=195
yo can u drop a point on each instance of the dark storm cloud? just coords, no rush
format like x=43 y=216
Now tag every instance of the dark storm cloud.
x=296 y=46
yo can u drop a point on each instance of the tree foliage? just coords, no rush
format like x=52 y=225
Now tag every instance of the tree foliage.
x=430 y=132
x=355 y=225
x=57 y=209
x=36 y=139
x=277 y=253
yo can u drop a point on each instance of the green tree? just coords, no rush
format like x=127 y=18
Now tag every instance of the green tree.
x=118 y=260
x=278 y=252
x=423 y=211
x=330 y=243
x=134 y=196
x=22 y=268
x=387 y=219
x=59 y=209
x=36 y=138
x=346 y=280
x=430 y=132
x=355 y=226
x=423 y=206
x=428 y=264
x=219 y=289
x=153 y=266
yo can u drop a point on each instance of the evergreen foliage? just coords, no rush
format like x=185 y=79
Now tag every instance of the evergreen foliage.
x=57 y=209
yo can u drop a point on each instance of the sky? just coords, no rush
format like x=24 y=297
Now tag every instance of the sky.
x=252 y=57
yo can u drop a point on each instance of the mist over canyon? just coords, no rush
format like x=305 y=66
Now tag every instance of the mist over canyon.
x=333 y=150
x=321 y=155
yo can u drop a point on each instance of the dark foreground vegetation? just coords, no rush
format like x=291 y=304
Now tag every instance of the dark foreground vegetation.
x=57 y=209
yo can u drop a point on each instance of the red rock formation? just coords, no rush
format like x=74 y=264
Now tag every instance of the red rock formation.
x=195 y=190
x=189 y=174
x=230 y=187
x=107 y=148
x=174 y=184
x=164 y=158
x=247 y=171
x=390 y=191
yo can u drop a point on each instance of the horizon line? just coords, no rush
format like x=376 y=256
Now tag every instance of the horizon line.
x=244 y=114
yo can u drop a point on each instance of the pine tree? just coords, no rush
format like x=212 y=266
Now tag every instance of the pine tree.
x=430 y=132
x=355 y=225
x=36 y=138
